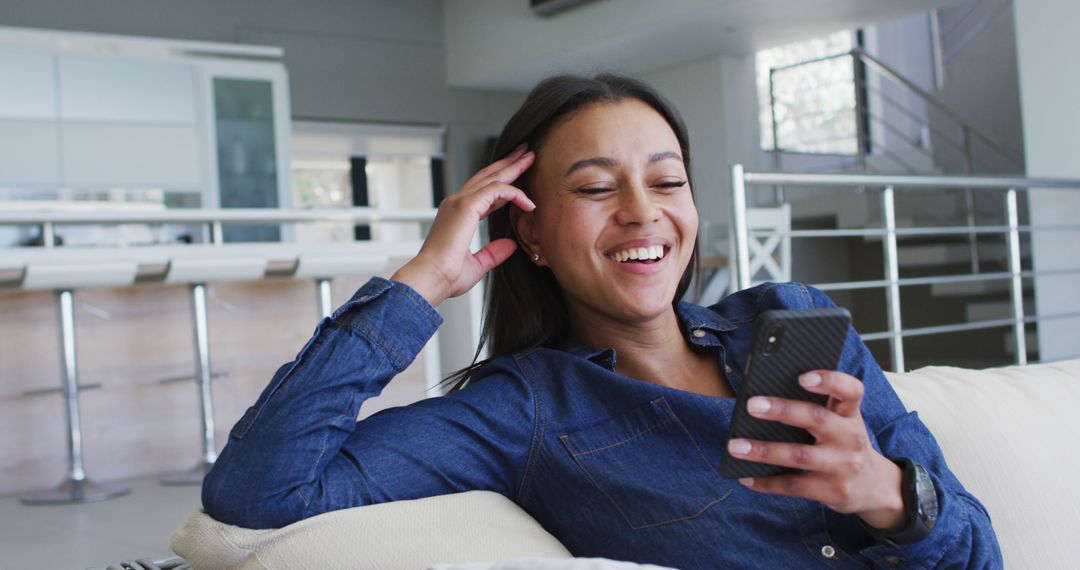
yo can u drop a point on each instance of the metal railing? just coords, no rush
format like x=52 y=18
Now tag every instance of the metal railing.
x=889 y=232
x=866 y=121
x=960 y=147
x=213 y=219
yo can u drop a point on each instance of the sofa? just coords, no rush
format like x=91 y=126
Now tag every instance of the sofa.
x=1008 y=434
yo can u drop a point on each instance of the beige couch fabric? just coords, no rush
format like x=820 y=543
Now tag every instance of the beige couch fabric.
x=1012 y=436
x=418 y=534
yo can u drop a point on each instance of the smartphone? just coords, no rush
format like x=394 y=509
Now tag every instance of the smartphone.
x=784 y=345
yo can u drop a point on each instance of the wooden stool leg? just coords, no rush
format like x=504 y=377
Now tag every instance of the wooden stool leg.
x=77 y=488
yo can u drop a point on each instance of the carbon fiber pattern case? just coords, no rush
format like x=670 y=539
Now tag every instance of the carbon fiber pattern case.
x=785 y=344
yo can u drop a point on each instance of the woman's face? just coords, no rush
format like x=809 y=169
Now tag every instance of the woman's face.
x=615 y=220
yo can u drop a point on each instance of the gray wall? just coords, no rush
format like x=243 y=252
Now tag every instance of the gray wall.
x=1049 y=82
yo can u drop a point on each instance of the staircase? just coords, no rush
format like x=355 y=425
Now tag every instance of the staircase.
x=905 y=129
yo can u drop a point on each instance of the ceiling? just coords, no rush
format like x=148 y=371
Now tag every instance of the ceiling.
x=502 y=44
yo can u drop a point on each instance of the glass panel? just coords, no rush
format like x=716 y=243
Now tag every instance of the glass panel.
x=246 y=152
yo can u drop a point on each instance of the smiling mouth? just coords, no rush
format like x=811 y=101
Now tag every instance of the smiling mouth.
x=647 y=255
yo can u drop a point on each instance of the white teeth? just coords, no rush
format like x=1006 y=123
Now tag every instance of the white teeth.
x=640 y=253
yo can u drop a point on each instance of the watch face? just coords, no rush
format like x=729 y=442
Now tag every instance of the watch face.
x=926 y=495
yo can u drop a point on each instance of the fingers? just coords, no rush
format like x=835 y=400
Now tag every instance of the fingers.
x=505 y=171
x=503 y=162
x=845 y=391
x=493 y=254
x=831 y=493
x=793 y=455
x=516 y=168
x=500 y=195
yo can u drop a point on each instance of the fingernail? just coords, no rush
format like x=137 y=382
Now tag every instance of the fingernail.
x=810 y=379
x=519 y=148
x=739 y=447
x=758 y=405
x=748 y=481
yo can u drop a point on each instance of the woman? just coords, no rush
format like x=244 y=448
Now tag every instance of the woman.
x=605 y=407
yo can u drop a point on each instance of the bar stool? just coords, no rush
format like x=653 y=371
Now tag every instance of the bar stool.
x=64 y=272
x=197 y=266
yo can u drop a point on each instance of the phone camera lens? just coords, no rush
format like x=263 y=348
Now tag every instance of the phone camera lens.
x=772 y=339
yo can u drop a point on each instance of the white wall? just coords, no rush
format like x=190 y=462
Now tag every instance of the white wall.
x=718 y=101
x=1049 y=84
x=981 y=80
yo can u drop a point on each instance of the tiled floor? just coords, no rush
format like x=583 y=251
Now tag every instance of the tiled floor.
x=94 y=535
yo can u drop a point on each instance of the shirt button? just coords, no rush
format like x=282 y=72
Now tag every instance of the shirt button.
x=727 y=369
x=893 y=559
x=362 y=298
x=698 y=333
x=828 y=551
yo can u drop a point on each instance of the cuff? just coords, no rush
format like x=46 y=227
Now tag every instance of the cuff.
x=392 y=316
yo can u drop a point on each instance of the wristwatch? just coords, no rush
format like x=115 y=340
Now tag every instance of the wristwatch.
x=920 y=504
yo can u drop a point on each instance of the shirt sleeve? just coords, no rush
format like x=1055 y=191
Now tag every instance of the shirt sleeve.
x=963 y=536
x=299 y=451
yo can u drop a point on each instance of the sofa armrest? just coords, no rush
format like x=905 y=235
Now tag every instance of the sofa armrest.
x=1011 y=436
x=477 y=525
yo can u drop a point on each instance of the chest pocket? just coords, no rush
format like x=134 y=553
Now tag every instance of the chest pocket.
x=648 y=465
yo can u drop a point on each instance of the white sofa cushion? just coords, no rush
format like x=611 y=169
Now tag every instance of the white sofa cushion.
x=460 y=528
x=1011 y=436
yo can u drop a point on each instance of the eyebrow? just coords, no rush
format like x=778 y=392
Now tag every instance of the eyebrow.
x=605 y=162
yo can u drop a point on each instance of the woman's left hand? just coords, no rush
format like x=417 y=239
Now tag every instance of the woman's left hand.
x=841 y=469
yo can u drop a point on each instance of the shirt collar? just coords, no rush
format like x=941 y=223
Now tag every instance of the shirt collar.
x=701 y=327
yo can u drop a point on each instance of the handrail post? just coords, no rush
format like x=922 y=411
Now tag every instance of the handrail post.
x=1015 y=283
x=739 y=232
x=775 y=127
x=216 y=235
x=892 y=275
x=969 y=201
x=48 y=234
x=938 y=53
x=862 y=115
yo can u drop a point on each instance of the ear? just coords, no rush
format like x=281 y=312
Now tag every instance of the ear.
x=524 y=224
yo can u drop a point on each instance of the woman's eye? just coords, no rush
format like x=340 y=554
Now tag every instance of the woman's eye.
x=593 y=190
x=671 y=184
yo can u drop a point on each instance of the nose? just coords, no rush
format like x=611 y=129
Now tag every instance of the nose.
x=637 y=205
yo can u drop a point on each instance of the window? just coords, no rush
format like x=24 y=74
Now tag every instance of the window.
x=813 y=87
x=341 y=165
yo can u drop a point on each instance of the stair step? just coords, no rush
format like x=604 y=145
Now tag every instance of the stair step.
x=1031 y=342
x=969 y=288
x=934 y=254
x=990 y=310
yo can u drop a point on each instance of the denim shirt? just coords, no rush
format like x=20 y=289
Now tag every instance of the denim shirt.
x=612 y=466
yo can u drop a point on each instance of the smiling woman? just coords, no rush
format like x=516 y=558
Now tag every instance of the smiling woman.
x=605 y=407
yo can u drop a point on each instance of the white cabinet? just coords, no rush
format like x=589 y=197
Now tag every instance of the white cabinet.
x=27 y=84
x=120 y=89
x=181 y=124
x=29 y=153
x=139 y=155
x=29 y=141
x=250 y=134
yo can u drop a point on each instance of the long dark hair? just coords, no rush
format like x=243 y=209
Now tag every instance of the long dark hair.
x=525 y=306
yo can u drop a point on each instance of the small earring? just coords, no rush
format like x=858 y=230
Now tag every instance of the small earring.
x=536 y=257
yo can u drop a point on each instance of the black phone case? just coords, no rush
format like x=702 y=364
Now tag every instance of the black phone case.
x=810 y=339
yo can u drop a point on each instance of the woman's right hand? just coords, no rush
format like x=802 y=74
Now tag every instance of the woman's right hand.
x=445 y=267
